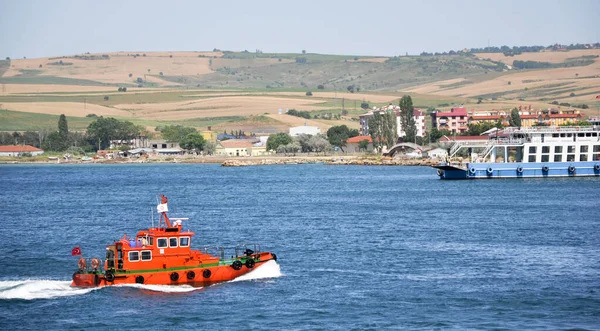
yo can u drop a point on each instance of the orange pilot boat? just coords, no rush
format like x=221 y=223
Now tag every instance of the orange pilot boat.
x=163 y=256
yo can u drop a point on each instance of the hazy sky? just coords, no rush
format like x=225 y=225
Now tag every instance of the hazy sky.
x=65 y=27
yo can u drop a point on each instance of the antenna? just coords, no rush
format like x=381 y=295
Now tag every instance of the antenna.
x=152 y=213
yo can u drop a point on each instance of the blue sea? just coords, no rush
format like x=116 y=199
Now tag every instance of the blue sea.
x=358 y=247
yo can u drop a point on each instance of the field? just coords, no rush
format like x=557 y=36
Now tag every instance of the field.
x=243 y=90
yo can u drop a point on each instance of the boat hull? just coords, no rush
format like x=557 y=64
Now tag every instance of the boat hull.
x=519 y=170
x=195 y=276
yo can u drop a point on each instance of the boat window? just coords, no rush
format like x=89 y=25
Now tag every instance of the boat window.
x=531 y=149
x=582 y=157
x=161 y=242
x=531 y=158
x=588 y=134
x=570 y=149
x=557 y=149
x=581 y=134
x=173 y=242
x=562 y=135
x=583 y=149
x=557 y=158
x=594 y=134
x=545 y=149
x=555 y=135
x=146 y=255
x=150 y=241
x=184 y=241
x=596 y=148
x=134 y=256
x=545 y=158
x=570 y=157
x=569 y=134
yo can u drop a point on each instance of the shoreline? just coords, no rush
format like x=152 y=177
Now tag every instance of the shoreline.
x=246 y=161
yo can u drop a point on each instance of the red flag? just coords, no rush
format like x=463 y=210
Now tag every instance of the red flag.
x=598 y=97
x=76 y=251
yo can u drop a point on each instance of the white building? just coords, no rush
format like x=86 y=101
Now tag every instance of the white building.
x=19 y=150
x=418 y=116
x=298 y=130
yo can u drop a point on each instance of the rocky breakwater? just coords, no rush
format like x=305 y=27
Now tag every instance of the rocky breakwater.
x=384 y=161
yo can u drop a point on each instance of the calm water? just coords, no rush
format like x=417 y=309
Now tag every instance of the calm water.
x=358 y=247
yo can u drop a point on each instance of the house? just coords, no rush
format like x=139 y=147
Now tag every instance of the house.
x=454 y=121
x=234 y=147
x=298 y=130
x=352 y=144
x=19 y=150
x=436 y=153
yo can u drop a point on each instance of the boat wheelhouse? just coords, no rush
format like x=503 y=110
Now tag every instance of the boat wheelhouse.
x=527 y=152
x=163 y=256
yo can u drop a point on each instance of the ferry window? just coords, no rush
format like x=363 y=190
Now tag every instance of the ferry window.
x=146 y=255
x=173 y=242
x=150 y=241
x=583 y=149
x=545 y=149
x=582 y=157
x=558 y=158
x=184 y=241
x=570 y=157
x=570 y=149
x=557 y=149
x=545 y=158
x=581 y=134
x=569 y=134
x=531 y=158
x=555 y=135
x=531 y=149
x=595 y=157
x=588 y=134
x=134 y=256
x=596 y=148
x=161 y=242
x=562 y=135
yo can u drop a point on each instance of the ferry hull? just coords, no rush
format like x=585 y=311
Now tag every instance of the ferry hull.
x=519 y=170
x=194 y=276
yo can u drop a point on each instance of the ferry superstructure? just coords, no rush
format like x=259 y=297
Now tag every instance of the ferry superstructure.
x=527 y=152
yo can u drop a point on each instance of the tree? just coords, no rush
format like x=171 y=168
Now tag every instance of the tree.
x=320 y=87
x=407 y=120
x=303 y=51
x=106 y=97
x=364 y=105
x=515 y=118
x=139 y=80
x=363 y=145
x=63 y=127
x=124 y=89
x=382 y=129
x=278 y=139
x=210 y=147
x=318 y=143
x=309 y=94
x=174 y=133
x=130 y=75
x=337 y=135
x=104 y=130
x=192 y=141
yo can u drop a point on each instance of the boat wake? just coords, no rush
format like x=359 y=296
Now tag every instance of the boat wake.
x=268 y=270
x=31 y=289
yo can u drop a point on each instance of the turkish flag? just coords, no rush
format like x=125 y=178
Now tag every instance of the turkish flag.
x=76 y=251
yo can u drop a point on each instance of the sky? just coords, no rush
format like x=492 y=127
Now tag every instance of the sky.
x=39 y=28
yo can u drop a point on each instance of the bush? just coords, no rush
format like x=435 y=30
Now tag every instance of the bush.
x=160 y=73
x=91 y=115
x=130 y=75
x=120 y=89
x=106 y=98
x=572 y=94
x=309 y=94
x=364 y=105
x=139 y=80
x=320 y=87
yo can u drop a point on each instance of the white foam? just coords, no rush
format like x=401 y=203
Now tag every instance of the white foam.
x=31 y=289
x=269 y=269
x=162 y=288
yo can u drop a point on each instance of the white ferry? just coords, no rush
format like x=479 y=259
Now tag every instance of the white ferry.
x=527 y=153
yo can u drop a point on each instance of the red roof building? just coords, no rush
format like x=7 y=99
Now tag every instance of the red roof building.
x=18 y=150
x=357 y=139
